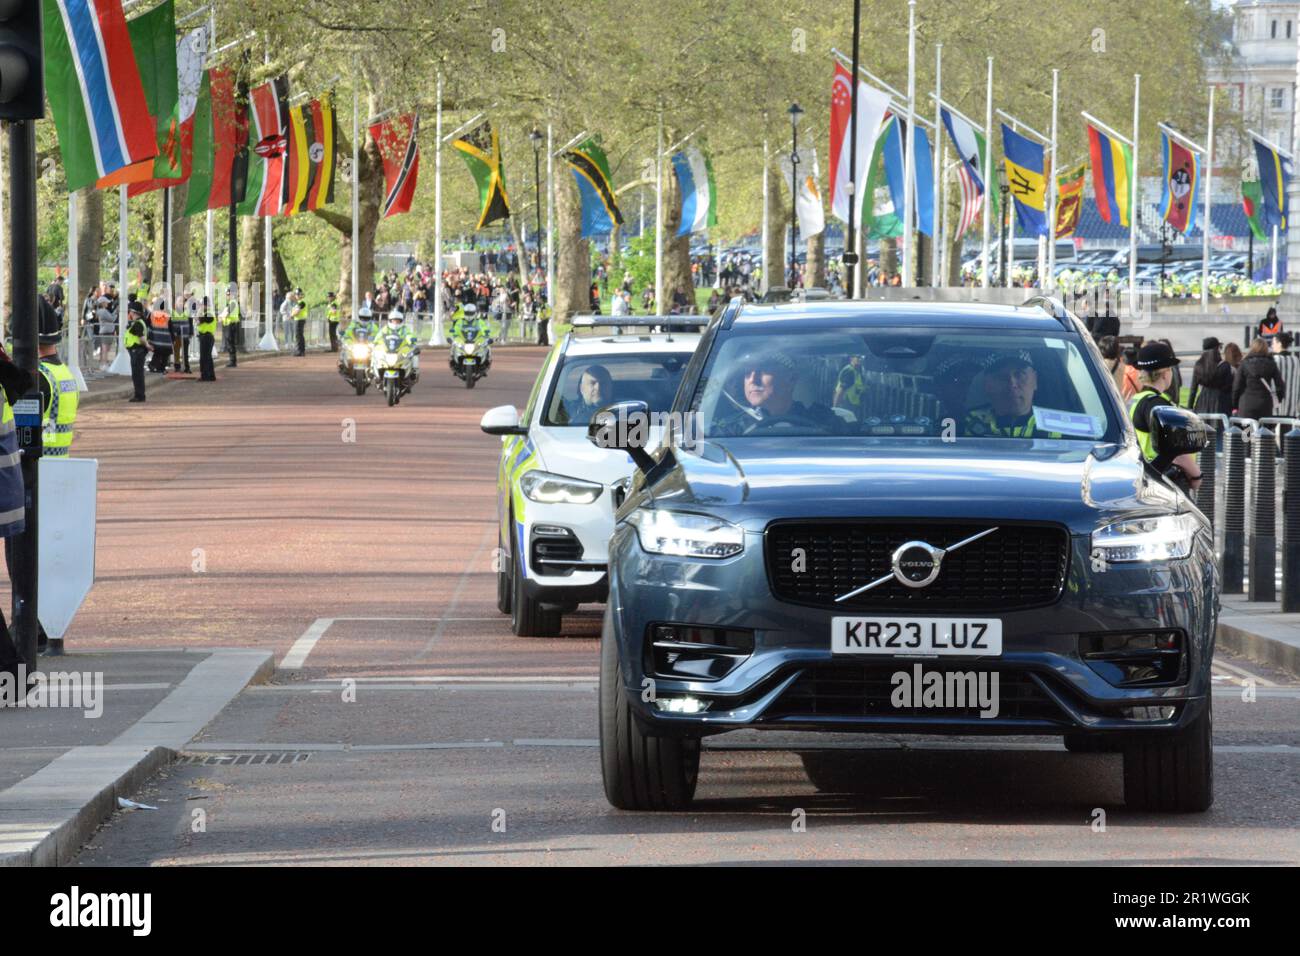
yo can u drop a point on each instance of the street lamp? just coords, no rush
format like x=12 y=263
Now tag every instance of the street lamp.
x=795 y=112
x=536 y=137
x=1005 y=189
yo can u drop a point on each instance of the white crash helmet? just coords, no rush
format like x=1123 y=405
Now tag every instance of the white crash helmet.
x=470 y=309
x=364 y=312
x=396 y=316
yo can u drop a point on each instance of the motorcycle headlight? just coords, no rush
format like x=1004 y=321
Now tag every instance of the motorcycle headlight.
x=469 y=348
x=360 y=351
x=686 y=535
x=544 y=487
x=1163 y=538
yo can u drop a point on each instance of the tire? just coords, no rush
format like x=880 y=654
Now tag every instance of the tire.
x=527 y=616
x=505 y=586
x=360 y=387
x=1173 y=773
x=390 y=390
x=1092 y=744
x=469 y=379
x=640 y=772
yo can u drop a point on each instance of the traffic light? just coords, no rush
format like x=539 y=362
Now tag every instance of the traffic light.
x=22 y=67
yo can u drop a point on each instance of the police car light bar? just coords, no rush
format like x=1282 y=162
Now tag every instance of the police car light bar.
x=640 y=321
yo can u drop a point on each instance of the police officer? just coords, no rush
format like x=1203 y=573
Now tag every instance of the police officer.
x=207 y=328
x=137 y=345
x=58 y=387
x=1010 y=381
x=14 y=383
x=182 y=329
x=332 y=317
x=230 y=327
x=850 y=387
x=160 y=337
x=300 y=323
x=1155 y=365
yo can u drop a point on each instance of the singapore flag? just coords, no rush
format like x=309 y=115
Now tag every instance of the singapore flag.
x=872 y=105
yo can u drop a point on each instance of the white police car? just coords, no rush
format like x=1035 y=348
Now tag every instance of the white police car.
x=556 y=492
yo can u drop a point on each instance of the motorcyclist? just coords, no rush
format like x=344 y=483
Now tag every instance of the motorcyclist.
x=396 y=325
x=468 y=317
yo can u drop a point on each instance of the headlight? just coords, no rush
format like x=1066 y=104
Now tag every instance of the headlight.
x=686 y=535
x=469 y=348
x=557 y=489
x=360 y=351
x=1166 y=538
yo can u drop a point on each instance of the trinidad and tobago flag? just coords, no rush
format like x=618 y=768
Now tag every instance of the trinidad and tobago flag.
x=401 y=155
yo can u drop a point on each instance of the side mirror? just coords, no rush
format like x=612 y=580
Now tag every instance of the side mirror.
x=624 y=426
x=502 y=420
x=1176 y=431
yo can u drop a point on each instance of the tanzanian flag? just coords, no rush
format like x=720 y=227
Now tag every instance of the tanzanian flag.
x=481 y=148
x=591 y=170
x=1112 y=173
x=1274 y=181
x=1025 y=165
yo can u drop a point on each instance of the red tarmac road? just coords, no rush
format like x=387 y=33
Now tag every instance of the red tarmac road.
x=239 y=513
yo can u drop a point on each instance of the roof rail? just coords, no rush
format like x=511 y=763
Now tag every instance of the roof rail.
x=639 y=321
x=730 y=311
x=1053 y=307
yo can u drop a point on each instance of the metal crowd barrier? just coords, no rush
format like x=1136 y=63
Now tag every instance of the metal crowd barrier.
x=1250 y=491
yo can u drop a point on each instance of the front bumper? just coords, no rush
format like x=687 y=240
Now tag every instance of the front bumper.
x=792 y=681
x=569 y=568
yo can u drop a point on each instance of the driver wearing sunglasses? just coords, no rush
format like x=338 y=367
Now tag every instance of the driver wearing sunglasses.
x=767 y=385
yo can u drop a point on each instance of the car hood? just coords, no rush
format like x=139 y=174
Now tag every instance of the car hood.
x=565 y=450
x=754 y=480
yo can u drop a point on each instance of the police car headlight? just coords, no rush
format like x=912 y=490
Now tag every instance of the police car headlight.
x=686 y=535
x=546 y=488
x=1163 y=538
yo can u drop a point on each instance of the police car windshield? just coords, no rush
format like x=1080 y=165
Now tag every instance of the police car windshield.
x=584 y=384
x=880 y=382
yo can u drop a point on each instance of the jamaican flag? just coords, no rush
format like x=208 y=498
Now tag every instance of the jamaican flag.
x=591 y=170
x=482 y=151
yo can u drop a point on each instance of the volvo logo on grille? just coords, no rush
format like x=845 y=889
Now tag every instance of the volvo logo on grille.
x=915 y=564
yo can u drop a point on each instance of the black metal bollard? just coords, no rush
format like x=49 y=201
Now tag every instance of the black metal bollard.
x=1205 y=499
x=1263 y=522
x=1234 y=509
x=1291 y=522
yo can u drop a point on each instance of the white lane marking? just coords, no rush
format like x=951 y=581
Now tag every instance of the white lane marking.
x=297 y=655
x=137 y=686
x=1242 y=672
x=452 y=679
x=333 y=687
x=470 y=565
x=543 y=742
x=1285 y=750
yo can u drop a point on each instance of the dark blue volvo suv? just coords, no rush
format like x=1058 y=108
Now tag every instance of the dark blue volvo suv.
x=906 y=518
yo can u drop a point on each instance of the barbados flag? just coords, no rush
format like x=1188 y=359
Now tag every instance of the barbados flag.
x=94 y=88
x=591 y=170
x=1274 y=181
x=1112 y=173
x=1026 y=179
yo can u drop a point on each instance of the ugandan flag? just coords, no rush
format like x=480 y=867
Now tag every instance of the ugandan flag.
x=1069 y=200
x=311 y=155
x=591 y=170
x=482 y=151
x=323 y=152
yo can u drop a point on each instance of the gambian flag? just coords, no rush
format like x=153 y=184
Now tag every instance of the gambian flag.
x=591 y=170
x=1069 y=200
x=267 y=189
x=94 y=88
x=482 y=151
x=153 y=41
x=216 y=128
x=1112 y=172
x=396 y=139
x=176 y=137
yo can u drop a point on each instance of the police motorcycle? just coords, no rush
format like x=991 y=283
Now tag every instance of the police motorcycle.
x=394 y=359
x=471 y=347
x=354 y=356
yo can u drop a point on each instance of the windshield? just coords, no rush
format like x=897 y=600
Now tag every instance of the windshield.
x=585 y=384
x=952 y=384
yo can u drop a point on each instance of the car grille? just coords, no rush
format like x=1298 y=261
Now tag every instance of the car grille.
x=556 y=554
x=864 y=690
x=1018 y=566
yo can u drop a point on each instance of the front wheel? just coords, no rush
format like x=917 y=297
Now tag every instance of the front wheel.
x=640 y=772
x=390 y=391
x=1174 y=772
x=470 y=378
x=360 y=386
x=527 y=616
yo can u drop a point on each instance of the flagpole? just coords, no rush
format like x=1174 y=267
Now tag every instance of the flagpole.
x=1273 y=267
x=1048 y=281
x=121 y=362
x=167 y=249
x=1133 y=203
x=268 y=342
x=659 y=218
x=988 y=176
x=1009 y=215
x=550 y=218
x=208 y=292
x=947 y=245
x=909 y=160
x=356 y=196
x=766 y=282
x=1205 y=224
x=73 y=311
x=437 y=338
x=935 y=216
